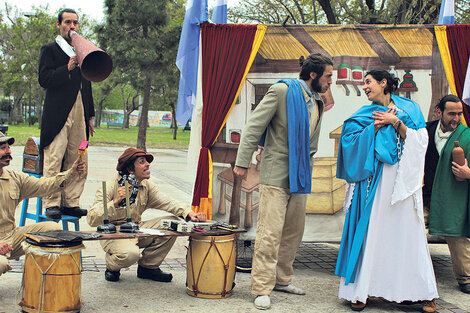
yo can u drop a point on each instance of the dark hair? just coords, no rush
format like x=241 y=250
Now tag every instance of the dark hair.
x=129 y=167
x=379 y=75
x=442 y=103
x=61 y=13
x=316 y=63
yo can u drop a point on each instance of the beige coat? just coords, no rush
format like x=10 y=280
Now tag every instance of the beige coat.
x=271 y=115
x=148 y=197
x=16 y=186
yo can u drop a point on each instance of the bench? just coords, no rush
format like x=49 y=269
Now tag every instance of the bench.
x=113 y=124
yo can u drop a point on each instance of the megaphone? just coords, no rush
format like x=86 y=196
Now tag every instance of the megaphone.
x=95 y=64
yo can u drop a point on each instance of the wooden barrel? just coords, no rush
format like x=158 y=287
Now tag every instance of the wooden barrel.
x=51 y=277
x=210 y=266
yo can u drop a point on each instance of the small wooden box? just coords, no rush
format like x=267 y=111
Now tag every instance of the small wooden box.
x=327 y=195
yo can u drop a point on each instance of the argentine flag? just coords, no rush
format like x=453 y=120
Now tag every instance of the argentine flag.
x=446 y=14
x=219 y=15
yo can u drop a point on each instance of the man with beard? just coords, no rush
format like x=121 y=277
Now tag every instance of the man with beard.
x=68 y=113
x=445 y=191
x=287 y=121
x=134 y=166
x=18 y=186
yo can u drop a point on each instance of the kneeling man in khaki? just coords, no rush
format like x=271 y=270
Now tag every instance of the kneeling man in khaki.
x=15 y=187
x=134 y=166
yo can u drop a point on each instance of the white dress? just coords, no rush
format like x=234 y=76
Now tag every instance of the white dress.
x=396 y=264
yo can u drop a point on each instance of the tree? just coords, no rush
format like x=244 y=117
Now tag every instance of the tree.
x=342 y=11
x=138 y=41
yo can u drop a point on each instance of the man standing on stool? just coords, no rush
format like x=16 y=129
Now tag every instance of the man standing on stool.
x=445 y=198
x=285 y=179
x=134 y=165
x=18 y=186
x=68 y=113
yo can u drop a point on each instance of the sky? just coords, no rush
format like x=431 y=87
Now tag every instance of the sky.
x=92 y=8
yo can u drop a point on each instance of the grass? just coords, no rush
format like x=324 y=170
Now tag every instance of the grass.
x=157 y=137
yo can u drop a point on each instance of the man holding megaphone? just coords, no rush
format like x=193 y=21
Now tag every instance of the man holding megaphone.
x=67 y=117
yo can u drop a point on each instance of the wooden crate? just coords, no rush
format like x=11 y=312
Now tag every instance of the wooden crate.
x=327 y=195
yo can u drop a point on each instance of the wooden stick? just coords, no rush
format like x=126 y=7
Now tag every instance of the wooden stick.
x=105 y=202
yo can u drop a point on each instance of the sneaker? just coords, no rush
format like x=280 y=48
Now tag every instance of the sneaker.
x=358 y=306
x=112 y=275
x=74 y=211
x=154 y=274
x=465 y=287
x=54 y=213
x=289 y=289
x=262 y=302
x=429 y=306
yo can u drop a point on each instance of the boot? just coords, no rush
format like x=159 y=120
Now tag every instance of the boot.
x=74 y=211
x=153 y=274
x=54 y=213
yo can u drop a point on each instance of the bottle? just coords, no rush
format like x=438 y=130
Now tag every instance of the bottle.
x=458 y=156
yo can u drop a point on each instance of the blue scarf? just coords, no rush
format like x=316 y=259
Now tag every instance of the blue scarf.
x=298 y=129
x=361 y=156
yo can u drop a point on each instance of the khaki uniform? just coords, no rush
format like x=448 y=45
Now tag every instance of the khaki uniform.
x=281 y=215
x=62 y=152
x=125 y=252
x=15 y=187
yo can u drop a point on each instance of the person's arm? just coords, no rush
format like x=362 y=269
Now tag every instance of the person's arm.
x=50 y=75
x=158 y=200
x=95 y=214
x=41 y=187
x=5 y=248
x=461 y=171
x=389 y=118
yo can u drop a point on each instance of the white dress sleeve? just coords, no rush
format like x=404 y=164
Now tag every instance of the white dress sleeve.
x=409 y=179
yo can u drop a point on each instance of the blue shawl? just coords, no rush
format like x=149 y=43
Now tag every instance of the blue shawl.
x=361 y=156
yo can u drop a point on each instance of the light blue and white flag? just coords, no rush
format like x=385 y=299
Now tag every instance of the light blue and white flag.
x=219 y=15
x=187 y=57
x=446 y=14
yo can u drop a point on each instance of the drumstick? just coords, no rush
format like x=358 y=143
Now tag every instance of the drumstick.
x=126 y=185
x=105 y=202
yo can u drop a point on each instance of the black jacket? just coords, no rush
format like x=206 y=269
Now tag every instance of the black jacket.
x=62 y=88
x=430 y=165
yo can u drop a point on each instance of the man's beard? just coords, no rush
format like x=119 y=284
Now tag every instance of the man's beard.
x=6 y=156
x=315 y=85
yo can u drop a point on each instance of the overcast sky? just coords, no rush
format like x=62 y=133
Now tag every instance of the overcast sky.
x=92 y=8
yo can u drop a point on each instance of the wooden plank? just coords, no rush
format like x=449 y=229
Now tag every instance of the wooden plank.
x=377 y=42
x=299 y=33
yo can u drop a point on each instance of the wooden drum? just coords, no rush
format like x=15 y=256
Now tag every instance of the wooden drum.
x=210 y=264
x=51 y=277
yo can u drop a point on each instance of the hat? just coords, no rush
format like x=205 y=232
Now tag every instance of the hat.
x=4 y=139
x=129 y=155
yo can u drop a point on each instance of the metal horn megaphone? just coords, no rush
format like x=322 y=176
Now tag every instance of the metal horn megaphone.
x=95 y=64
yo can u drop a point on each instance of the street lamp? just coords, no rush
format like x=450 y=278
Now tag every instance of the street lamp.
x=29 y=86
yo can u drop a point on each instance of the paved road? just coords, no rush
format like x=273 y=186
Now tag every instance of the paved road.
x=314 y=264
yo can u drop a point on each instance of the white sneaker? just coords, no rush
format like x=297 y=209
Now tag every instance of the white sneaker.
x=289 y=289
x=262 y=302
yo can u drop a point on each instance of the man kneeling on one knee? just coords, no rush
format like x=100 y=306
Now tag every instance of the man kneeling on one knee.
x=134 y=166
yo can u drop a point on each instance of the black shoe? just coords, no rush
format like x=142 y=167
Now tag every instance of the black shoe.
x=54 y=213
x=465 y=288
x=74 y=211
x=112 y=275
x=153 y=274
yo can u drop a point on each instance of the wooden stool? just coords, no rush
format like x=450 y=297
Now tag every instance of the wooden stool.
x=249 y=185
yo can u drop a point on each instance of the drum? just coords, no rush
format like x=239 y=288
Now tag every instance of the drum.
x=51 y=277
x=210 y=266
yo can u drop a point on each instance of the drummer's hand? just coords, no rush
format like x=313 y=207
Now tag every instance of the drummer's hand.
x=79 y=166
x=197 y=217
x=5 y=248
x=240 y=171
x=121 y=194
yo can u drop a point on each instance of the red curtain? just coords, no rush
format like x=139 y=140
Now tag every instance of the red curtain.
x=458 y=38
x=226 y=50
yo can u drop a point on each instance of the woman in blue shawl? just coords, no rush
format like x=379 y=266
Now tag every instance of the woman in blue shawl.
x=384 y=250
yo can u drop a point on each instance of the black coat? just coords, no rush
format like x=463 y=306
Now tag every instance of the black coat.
x=62 y=89
x=430 y=165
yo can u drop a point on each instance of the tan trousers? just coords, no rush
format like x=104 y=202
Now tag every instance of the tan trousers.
x=459 y=248
x=281 y=221
x=16 y=238
x=122 y=253
x=60 y=155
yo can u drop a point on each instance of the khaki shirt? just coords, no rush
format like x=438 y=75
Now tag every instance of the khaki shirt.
x=148 y=197
x=16 y=186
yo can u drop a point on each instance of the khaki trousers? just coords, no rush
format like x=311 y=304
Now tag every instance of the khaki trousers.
x=62 y=153
x=122 y=253
x=459 y=248
x=16 y=238
x=281 y=221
